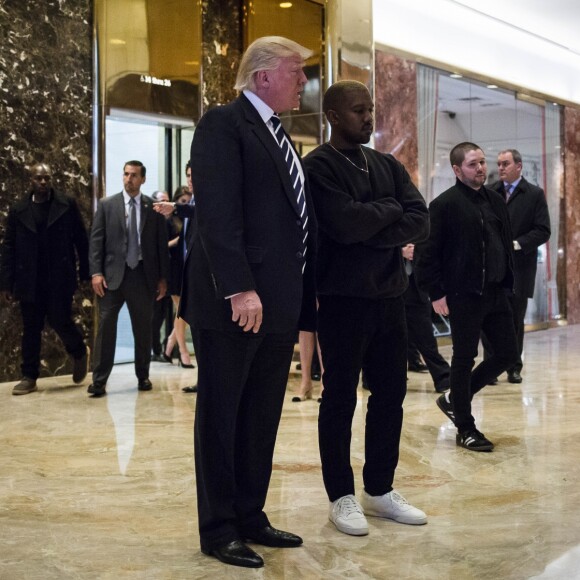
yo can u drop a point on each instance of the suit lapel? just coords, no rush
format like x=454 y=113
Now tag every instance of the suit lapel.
x=57 y=208
x=145 y=206
x=262 y=132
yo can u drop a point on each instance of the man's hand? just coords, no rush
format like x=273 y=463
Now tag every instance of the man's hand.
x=247 y=310
x=164 y=207
x=99 y=285
x=161 y=289
x=440 y=306
x=408 y=251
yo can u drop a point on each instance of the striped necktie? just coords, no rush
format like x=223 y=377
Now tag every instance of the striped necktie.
x=297 y=185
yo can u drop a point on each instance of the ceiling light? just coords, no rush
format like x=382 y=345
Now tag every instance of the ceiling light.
x=117 y=41
x=456 y=76
x=285 y=4
x=492 y=87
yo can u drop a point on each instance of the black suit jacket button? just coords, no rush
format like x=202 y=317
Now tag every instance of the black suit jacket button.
x=299 y=255
x=298 y=223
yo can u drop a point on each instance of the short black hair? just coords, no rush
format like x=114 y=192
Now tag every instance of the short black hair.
x=188 y=166
x=135 y=163
x=458 y=152
x=335 y=93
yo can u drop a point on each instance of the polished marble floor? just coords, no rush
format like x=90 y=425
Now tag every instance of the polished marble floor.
x=105 y=488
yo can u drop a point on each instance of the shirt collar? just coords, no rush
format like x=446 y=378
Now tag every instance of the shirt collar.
x=513 y=185
x=127 y=197
x=265 y=111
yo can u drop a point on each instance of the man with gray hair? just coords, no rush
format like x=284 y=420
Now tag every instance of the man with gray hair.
x=530 y=221
x=248 y=288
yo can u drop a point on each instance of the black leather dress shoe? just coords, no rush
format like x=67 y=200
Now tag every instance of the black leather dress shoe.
x=514 y=377
x=192 y=389
x=145 y=385
x=269 y=536
x=236 y=553
x=97 y=390
x=157 y=358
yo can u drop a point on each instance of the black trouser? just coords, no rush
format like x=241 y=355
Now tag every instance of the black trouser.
x=139 y=298
x=242 y=381
x=162 y=312
x=519 y=305
x=421 y=337
x=355 y=334
x=56 y=309
x=469 y=315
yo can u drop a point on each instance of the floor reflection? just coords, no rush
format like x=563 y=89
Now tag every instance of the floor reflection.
x=105 y=488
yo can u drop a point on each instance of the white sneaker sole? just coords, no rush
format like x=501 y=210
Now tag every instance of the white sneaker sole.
x=399 y=519
x=351 y=531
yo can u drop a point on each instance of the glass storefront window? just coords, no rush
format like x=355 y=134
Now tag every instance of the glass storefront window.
x=452 y=110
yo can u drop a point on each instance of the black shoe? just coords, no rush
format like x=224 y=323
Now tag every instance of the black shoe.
x=97 y=390
x=446 y=407
x=192 y=389
x=298 y=366
x=81 y=367
x=514 y=377
x=184 y=365
x=474 y=441
x=158 y=358
x=145 y=385
x=273 y=538
x=442 y=386
x=493 y=382
x=236 y=553
x=418 y=367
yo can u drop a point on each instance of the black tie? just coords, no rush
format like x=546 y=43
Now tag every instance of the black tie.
x=133 y=240
x=297 y=184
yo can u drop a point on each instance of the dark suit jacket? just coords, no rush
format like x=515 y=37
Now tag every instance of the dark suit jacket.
x=66 y=239
x=249 y=234
x=108 y=242
x=530 y=223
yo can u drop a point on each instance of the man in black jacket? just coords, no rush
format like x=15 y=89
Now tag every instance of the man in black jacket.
x=530 y=223
x=45 y=236
x=367 y=209
x=467 y=267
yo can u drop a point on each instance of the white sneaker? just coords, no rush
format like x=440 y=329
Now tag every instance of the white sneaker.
x=393 y=506
x=347 y=515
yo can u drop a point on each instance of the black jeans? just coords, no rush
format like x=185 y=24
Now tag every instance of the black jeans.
x=56 y=309
x=355 y=334
x=469 y=315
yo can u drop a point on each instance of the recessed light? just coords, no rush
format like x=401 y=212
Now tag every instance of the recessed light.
x=285 y=4
x=456 y=76
x=492 y=87
x=117 y=41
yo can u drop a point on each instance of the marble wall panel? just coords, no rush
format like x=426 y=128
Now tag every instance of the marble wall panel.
x=396 y=109
x=222 y=50
x=572 y=204
x=45 y=115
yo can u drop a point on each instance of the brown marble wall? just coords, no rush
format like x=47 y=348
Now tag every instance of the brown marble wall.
x=396 y=109
x=222 y=50
x=45 y=115
x=572 y=205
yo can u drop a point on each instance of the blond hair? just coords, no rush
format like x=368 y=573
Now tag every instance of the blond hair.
x=265 y=53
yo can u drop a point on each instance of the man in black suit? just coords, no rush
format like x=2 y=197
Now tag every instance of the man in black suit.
x=248 y=288
x=129 y=262
x=467 y=267
x=530 y=221
x=45 y=236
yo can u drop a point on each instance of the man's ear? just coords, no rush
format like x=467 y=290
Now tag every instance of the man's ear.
x=332 y=116
x=262 y=79
x=456 y=170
